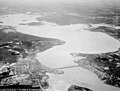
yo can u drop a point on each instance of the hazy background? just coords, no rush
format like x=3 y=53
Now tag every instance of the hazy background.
x=60 y=1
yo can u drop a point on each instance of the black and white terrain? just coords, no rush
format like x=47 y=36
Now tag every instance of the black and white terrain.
x=67 y=45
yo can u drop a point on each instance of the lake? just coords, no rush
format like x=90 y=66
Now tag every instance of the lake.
x=77 y=40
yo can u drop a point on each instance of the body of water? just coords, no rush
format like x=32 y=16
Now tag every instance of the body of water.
x=77 y=40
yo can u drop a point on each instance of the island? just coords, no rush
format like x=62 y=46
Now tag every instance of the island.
x=78 y=88
x=1 y=21
x=32 y=24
